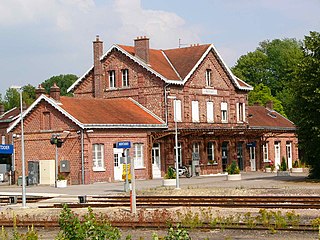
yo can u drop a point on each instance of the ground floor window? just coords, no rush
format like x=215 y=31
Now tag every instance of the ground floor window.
x=210 y=153
x=98 y=157
x=265 y=152
x=138 y=155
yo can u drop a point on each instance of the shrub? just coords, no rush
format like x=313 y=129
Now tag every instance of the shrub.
x=283 y=166
x=233 y=168
x=71 y=228
x=171 y=173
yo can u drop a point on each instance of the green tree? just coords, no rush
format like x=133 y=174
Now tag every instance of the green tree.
x=273 y=63
x=11 y=99
x=29 y=94
x=262 y=94
x=306 y=103
x=62 y=81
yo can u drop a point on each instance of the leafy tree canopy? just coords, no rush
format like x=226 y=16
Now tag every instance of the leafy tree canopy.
x=62 y=81
x=262 y=94
x=12 y=96
x=272 y=63
x=306 y=102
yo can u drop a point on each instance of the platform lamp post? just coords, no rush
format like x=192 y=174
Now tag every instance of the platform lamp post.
x=24 y=199
x=176 y=140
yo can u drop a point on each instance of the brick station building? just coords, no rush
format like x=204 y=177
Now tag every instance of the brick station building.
x=191 y=85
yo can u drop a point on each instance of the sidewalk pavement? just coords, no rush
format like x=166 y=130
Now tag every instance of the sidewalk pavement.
x=249 y=180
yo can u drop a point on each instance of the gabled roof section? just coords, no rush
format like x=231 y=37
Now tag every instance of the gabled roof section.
x=173 y=66
x=100 y=113
x=108 y=112
x=264 y=118
x=10 y=115
x=185 y=59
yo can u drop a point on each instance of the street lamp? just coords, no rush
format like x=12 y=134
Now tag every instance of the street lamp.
x=24 y=200
x=176 y=140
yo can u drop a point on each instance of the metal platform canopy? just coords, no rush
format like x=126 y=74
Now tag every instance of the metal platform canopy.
x=6 y=151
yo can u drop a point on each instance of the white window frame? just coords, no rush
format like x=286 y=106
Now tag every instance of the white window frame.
x=98 y=161
x=195 y=111
x=125 y=77
x=241 y=116
x=112 y=79
x=210 y=153
x=196 y=147
x=177 y=110
x=224 y=112
x=210 y=112
x=265 y=151
x=138 y=155
x=3 y=139
x=208 y=77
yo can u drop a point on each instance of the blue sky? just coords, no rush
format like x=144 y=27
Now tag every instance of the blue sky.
x=43 y=38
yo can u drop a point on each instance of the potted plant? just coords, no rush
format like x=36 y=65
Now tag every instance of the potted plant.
x=297 y=167
x=61 y=181
x=283 y=169
x=233 y=171
x=169 y=178
x=269 y=167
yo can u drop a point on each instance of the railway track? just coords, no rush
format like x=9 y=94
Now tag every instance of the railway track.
x=289 y=202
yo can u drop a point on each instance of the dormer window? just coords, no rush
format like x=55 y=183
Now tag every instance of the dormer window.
x=208 y=77
x=112 y=79
x=125 y=77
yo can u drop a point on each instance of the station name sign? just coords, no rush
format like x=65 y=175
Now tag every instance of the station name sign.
x=6 y=148
x=125 y=144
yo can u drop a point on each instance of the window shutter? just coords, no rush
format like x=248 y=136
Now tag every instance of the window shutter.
x=177 y=110
x=210 y=114
x=195 y=111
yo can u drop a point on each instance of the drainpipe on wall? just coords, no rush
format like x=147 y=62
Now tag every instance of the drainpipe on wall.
x=166 y=102
x=82 y=157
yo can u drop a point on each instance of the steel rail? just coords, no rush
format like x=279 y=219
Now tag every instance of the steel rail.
x=293 y=202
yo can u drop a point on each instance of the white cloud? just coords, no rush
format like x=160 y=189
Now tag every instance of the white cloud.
x=164 y=28
x=56 y=35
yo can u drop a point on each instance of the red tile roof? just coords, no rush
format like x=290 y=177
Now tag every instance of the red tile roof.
x=158 y=62
x=172 y=65
x=261 y=117
x=107 y=111
x=184 y=59
x=10 y=115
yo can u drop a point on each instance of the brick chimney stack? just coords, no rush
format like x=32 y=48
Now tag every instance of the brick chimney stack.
x=1 y=109
x=55 y=92
x=141 y=48
x=97 y=68
x=269 y=105
x=39 y=91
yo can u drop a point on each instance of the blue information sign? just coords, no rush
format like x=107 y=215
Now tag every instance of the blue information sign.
x=125 y=144
x=6 y=148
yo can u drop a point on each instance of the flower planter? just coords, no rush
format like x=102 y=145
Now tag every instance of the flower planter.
x=233 y=177
x=62 y=183
x=283 y=173
x=268 y=170
x=168 y=182
x=297 y=170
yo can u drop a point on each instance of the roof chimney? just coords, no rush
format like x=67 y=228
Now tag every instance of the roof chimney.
x=55 y=92
x=1 y=109
x=39 y=91
x=97 y=68
x=256 y=104
x=269 y=104
x=141 y=48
